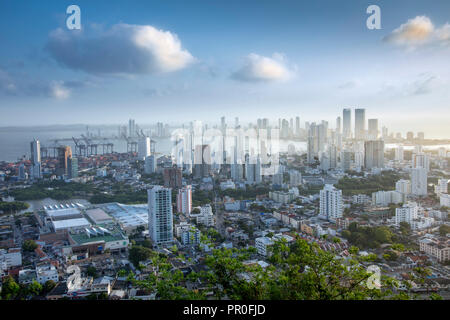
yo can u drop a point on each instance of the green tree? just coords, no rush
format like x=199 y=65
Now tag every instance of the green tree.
x=34 y=288
x=48 y=286
x=29 y=245
x=10 y=288
x=444 y=229
x=91 y=271
x=138 y=254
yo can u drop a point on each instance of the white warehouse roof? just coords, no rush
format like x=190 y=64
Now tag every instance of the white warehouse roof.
x=70 y=223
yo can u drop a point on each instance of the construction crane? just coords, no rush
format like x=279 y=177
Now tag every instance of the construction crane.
x=131 y=144
x=80 y=147
x=91 y=147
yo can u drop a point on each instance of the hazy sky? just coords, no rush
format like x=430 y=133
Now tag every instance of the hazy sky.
x=176 y=61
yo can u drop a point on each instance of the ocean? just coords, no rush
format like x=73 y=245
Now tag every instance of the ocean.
x=15 y=141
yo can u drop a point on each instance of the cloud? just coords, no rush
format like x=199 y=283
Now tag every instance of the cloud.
x=19 y=85
x=349 y=85
x=419 y=31
x=263 y=69
x=7 y=84
x=123 y=49
x=424 y=83
x=58 y=90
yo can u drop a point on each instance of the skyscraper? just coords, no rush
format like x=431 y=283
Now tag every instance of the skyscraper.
x=421 y=160
x=331 y=206
x=143 y=148
x=131 y=128
x=338 y=125
x=64 y=153
x=160 y=215
x=347 y=123
x=360 y=124
x=373 y=129
x=72 y=168
x=346 y=160
x=297 y=126
x=313 y=143
x=253 y=170
x=374 y=154
x=35 y=168
x=202 y=161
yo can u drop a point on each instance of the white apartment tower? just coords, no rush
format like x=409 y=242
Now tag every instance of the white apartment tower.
x=419 y=181
x=143 y=148
x=160 y=215
x=331 y=205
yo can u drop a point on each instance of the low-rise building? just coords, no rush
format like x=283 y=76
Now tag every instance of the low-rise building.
x=436 y=248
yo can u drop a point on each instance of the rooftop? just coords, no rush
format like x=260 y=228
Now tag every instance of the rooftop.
x=82 y=237
x=70 y=223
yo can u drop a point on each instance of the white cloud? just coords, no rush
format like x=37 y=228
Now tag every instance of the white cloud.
x=58 y=90
x=418 y=32
x=123 y=49
x=20 y=85
x=263 y=69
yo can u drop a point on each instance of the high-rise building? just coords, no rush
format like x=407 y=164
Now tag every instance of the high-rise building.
x=408 y=213
x=35 y=168
x=35 y=151
x=360 y=124
x=143 y=148
x=420 y=136
x=160 y=215
x=331 y=205
x=421 y=160
x=373 y=129
x=131 y=128
x=403 y=186
x=410 y=136
x=347 y=123
x=359 y=160
x=297 y=126
x=384 y=132
x=419 y=179
x=72 y=169
x=374 y=154
x=313 y=143
x=64 y=153
x=150 y=164
x=173 y=177
x=328 y=158
x=253 y=170
x=295 y=178
x=338 y=125
x=22 y=173
x=346 y=160
x=441 y=186
x=184 y=200
x=399 y=153
x=202 y=161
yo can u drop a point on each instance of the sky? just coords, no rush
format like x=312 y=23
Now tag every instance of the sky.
x=177 y=61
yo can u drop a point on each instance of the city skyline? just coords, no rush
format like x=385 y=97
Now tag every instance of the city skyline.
x=326 y=60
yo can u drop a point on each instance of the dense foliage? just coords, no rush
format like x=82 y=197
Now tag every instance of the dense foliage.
x=368 y=237
x=373 y=183
x=13 y=207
